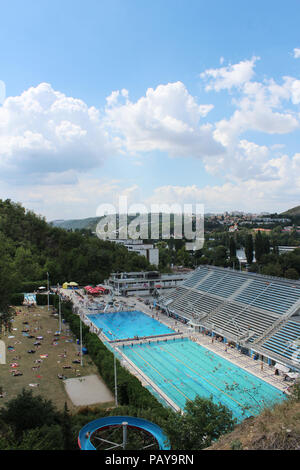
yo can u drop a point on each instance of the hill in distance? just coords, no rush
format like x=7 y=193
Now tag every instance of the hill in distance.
x=90 y=223
x=73 y=224
x=294 y=212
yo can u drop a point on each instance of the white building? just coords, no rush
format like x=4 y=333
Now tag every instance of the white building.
x=286 y=249
x=147 y=250
x=143 y=282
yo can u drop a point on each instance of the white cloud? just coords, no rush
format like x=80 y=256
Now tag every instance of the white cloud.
x=2 y=91
x=260 y=107
x=55 y=142
x=251 y=195
x=296 y=53
x=167 y=118
x=231 y=76
x=69 y=195
x=43 y=130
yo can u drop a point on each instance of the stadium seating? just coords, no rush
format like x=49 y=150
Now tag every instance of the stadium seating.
x=196 y=277
x=283 y=342
x=236 y=304
x=232 y=319
x=271 y=296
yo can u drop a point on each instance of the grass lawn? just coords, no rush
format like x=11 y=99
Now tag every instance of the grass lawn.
x=42 y=322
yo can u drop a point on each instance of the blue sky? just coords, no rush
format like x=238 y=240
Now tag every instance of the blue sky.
x=163 y=101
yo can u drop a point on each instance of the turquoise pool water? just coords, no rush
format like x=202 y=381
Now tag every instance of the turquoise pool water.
x=121 y=325
x=183 y=369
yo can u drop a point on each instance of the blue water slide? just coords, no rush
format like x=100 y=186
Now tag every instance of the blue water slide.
x=84 y=442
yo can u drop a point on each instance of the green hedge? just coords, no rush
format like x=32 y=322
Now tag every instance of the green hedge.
x=31 y=286
x=130 y=390
x=16 y=299
x=41 y=299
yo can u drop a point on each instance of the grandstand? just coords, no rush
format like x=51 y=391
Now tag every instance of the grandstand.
x=259 y=314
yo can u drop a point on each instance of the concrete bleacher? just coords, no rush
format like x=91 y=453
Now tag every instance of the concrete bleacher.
x=196 y=277
x=285 y=341
x=193 y=307
x=246 y=322
x=245 y=306
x=276 y=296
x=272 y=296
x=172 y=295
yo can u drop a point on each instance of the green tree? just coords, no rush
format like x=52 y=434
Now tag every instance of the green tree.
x=43 y=438
x=66 y=428
x=219 y=256
x=202 y=423
x=26 y=264
x=6 y=274
x=259 y=246
x=28 y=412
x=272 y=269
x=291 y=273
x=183 y=257
x=232 y=248
x=266 y=244
x=249 y=248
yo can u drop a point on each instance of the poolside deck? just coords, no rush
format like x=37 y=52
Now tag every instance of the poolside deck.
x=245 y=362
x=265 y=372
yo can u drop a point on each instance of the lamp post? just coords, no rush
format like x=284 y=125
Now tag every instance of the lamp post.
x=80 y=321
x=116 y=387
x=115 y=374
x=48 y=288
x=59 y=311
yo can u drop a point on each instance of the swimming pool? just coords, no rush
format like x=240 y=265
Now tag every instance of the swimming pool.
x=121 y=325
x=183 y=369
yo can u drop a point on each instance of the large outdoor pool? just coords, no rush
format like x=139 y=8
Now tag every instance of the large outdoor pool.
x=183 y=369
x=121 y=325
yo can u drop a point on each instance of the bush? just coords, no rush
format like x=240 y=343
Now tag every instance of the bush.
x=202 y=423
x=28 y=412
x=130 y=390
x=16 y=299
x=31 y=286
x=236 y=445
x=42 y=299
